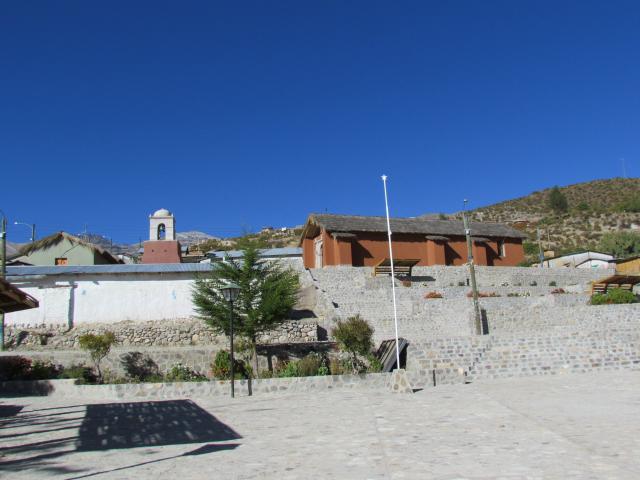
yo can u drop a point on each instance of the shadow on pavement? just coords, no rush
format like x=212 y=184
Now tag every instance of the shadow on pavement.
x=107 y=426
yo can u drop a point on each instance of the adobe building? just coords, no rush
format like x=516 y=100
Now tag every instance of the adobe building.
x=362 y=241
x=162 y=246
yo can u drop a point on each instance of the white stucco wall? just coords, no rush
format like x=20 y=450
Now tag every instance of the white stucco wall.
x=77 y=299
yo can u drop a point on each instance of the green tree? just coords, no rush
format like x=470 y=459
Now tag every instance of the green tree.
x=98 y=347
x=354 y=336
x=557 y=201
x=268 y=292
x=621 y=244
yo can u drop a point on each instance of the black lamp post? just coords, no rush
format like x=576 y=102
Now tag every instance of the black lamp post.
x=230 y=293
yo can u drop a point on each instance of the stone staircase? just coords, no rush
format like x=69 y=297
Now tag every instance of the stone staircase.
x=553 y=353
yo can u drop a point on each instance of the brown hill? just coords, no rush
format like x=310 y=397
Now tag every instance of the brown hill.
x=594 y=208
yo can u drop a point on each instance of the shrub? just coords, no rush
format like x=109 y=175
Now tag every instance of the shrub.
x=182 y=373
x=375 y=365
x=552 y=283
x=290 y=369
x=484 y=294
x=354 y=336
x=533 y=284
x=311 y=365
x=336 y=367
x=81 y=373
x=406 y=283
x=140 y=367
x=221 y=367
x=44 y=370
x=98 y=347
x=429 y=295
x=557 y=291
x=614 y=296
x=461 y=283
x=14 y=368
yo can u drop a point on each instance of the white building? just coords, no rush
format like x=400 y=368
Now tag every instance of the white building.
x=579 y=260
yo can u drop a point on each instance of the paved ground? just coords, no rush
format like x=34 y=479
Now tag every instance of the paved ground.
x=569 y=427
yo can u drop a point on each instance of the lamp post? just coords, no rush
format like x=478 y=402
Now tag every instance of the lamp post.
x=230 y=293
x=33 y=229
x=3 y=268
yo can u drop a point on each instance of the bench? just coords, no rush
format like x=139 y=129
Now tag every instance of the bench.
x=401 y=267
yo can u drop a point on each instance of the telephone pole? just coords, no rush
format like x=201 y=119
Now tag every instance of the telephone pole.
x=540 y=252
x=472 y=272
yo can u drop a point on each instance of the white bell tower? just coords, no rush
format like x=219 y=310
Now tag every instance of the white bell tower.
x=162 y=225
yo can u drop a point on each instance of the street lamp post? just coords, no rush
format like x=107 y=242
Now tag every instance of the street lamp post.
x=33 y=229
x=230 y=293
x=3 y=268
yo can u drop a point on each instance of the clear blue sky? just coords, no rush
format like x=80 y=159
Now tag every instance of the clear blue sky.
x=237 y=115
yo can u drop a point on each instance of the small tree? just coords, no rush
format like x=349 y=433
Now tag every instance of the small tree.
x=268 y=292
x=98 y=347
x=557 y=201
x=354 y=336
x=621 y=244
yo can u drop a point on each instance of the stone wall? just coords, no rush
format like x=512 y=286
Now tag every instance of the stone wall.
x=181 y=390
x=184 y=332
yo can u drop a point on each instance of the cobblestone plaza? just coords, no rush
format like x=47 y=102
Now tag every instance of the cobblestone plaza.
x=574 y=426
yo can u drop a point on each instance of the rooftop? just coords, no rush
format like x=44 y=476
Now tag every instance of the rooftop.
x=426 y=226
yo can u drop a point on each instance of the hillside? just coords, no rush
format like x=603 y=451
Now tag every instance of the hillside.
x=594 y=208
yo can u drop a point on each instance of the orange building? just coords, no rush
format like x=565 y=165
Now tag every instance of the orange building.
x=362 y=241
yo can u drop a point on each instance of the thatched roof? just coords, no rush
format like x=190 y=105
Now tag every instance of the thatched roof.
x=424 y=226
x=56 y=238
x=13 y=299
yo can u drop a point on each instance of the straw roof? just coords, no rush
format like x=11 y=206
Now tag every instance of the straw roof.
x=56 y=238
x=425 y=226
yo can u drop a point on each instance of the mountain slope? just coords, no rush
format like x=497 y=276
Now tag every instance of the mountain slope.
x=594 y=208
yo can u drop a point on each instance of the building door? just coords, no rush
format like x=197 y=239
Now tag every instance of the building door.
x=317 y=247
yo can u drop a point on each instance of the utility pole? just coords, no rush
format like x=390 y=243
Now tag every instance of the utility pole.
x=472 y=272
x=540 y=252
x=3 y=268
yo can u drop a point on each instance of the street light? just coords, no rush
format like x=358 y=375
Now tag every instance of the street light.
x=33 y=229
x=230 y=293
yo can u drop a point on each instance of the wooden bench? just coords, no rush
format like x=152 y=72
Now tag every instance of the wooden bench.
x=401 y=267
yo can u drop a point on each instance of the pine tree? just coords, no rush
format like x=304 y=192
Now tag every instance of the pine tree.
x=268 y=292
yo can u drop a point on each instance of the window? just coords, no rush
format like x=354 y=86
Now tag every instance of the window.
x=502 y=251
x=62 y=261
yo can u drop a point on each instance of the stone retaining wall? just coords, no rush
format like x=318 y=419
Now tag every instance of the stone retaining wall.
x=184 y=332
x=181 y=390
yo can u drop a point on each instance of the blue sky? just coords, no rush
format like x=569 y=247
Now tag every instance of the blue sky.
x=237 y=115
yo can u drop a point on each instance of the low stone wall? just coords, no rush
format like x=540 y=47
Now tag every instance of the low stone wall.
x=184 y=332
x=196 y=358
x=143 y=391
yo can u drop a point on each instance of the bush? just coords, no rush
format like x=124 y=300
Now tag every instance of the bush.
x=221 y=367
x=461 y=283
x=14 y=368
x=81 y=373
x=557 y=291
x=614 y=296
x=429 y=295
x=44 y=370
x=354 y=336
x=484 y=294
x=620 y=244
x=530 y=248
x=290 y=369
x=140 y=367
x=182 y=373
x=98 y=347
x=533 y=284
x=310 y=365
x=375 y=365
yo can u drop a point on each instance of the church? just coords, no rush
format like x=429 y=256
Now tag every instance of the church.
x=162 y=246
x=329 y=240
